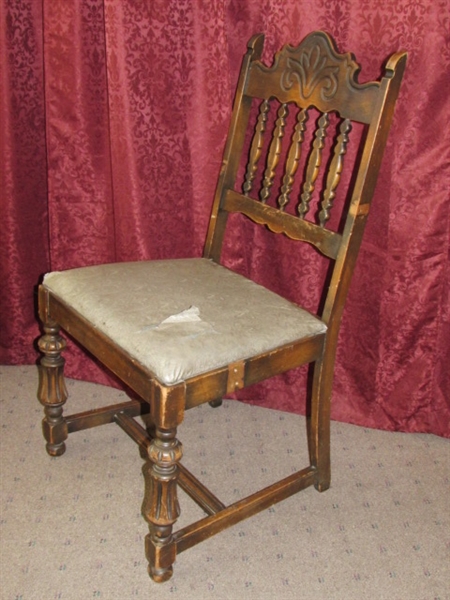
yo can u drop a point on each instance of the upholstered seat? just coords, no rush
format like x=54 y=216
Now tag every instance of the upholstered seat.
x=180 y=333
x=180 y=318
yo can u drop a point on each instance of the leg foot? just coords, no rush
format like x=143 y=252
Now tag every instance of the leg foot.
x=54 y=430
x=160 y=575
x=322 y=487
x=216 y=403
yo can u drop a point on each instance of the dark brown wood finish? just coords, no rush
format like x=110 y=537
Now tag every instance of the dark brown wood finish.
x=309 y=96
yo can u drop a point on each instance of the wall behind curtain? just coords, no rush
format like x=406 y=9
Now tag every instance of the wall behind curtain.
x=113 y=119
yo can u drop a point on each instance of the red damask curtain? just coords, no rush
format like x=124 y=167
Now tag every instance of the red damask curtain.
x=113 y=117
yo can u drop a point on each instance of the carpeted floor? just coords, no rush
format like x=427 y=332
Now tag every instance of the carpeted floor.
x=71 y=527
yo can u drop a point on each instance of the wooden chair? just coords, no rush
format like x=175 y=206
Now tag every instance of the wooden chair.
x=188 y=331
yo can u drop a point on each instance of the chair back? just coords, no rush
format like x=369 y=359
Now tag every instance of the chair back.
x=294 y=123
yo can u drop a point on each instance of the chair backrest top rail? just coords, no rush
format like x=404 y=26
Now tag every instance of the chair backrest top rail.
x=315 y=74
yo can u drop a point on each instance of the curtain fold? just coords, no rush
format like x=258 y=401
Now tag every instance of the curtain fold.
x=114 y=115
x=24 y=247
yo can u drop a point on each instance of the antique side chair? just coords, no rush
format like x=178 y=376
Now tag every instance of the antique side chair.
x=184 y=332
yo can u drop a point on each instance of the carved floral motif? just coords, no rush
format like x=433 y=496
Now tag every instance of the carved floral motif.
x=311 y=69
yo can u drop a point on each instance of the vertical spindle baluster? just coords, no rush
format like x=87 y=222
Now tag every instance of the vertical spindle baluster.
x=256 y=147
x=293 y=158
x=334 y=174
x=315 y=160
x=274 y=153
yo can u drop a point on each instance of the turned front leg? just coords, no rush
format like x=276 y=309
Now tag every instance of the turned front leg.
x=161 y=508
x=52 y=391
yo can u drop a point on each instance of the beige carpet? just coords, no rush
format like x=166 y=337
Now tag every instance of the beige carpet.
x=71 y=526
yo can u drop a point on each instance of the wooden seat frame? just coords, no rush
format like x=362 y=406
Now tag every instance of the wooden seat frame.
x=315 y=75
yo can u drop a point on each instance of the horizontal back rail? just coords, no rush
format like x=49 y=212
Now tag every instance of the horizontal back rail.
x=328 y=242
x=315 y=74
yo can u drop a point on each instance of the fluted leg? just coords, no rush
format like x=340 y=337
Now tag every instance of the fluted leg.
x=161 y=508
x=52 y=391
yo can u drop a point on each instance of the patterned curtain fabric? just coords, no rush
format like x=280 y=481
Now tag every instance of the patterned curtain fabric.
x=113 y=119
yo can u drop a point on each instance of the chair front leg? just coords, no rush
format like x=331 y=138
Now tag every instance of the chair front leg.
x=52 y=391
x=161 y=508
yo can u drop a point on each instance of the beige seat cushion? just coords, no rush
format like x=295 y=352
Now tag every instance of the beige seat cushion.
x=180 y=318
